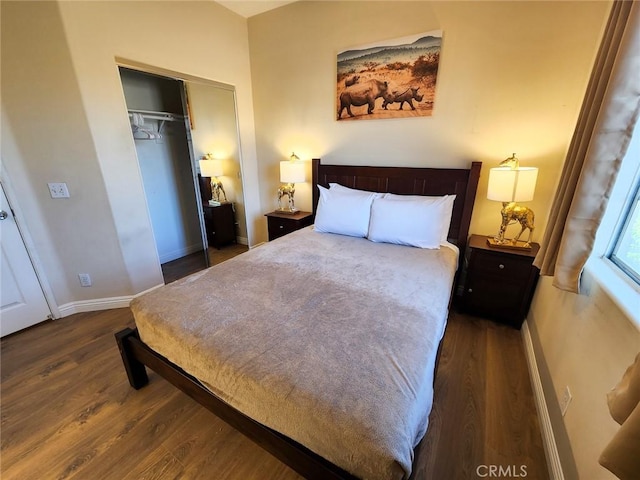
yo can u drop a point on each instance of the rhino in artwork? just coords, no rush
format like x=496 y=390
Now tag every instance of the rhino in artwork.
x=362 y=94
x=351 y=81
x=408 y=96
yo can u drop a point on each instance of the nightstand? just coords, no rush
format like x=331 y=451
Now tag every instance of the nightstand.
x=282 y=223
x=499 y=282
x=220 y=224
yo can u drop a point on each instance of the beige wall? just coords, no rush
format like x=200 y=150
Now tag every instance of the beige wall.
x=201 y=39
x=46 y=138
x=586 y=343
x=511 y=79
x=64 y=119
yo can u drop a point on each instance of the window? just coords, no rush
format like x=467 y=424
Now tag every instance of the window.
x=615 y=259
x=626 y=248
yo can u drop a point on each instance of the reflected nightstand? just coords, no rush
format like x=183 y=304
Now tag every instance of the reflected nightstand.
x=220 y=223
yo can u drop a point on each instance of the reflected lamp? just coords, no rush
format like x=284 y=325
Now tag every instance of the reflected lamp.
x=212 y=168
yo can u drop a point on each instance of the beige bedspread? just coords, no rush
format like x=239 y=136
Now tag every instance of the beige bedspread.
x=330 y=340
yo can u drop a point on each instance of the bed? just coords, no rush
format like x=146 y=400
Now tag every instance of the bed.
x=315 y=345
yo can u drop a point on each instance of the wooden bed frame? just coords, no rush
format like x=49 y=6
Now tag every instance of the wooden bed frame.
x=400 y=180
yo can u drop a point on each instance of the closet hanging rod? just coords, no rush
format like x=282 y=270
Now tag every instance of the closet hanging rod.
x=151 y=115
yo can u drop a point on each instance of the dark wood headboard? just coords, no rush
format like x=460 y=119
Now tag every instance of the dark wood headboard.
x=409 y=181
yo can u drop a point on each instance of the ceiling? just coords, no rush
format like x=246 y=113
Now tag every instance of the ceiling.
x=248 y=8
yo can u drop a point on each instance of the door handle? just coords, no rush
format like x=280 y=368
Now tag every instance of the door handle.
x=3 y=214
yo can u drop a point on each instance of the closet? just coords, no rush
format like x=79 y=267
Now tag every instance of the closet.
x=174 y=123
x=159 y=129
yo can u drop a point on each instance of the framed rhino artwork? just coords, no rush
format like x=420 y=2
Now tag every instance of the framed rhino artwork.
x=389 y=79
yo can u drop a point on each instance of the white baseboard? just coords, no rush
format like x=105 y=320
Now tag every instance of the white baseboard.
x=93 y=305
x=99 y=303
x=242 y=240
x=548 y=438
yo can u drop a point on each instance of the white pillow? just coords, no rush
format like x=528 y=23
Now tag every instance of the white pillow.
x=414 y=223
x=343 y=212
x=342 y=188
x=446 y=201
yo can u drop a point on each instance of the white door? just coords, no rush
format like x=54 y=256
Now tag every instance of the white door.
x=22 y=302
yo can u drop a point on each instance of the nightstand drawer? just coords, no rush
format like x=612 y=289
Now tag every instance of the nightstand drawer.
x=498 y=265
x=281 y=224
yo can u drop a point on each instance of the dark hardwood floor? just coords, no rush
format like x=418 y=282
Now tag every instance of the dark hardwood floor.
x=69 y=413
x=484 y=412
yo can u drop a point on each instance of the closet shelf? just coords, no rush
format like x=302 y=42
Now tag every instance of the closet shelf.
x=153 y=115
x=139 y=116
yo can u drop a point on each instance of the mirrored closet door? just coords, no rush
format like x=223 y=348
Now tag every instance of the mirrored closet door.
x=175 y=123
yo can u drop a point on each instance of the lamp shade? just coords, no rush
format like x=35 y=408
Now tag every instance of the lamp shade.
x=292 y=172
x=512 y=184
x=211 y=168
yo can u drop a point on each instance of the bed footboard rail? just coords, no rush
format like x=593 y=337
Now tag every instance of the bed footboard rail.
x=136 y=355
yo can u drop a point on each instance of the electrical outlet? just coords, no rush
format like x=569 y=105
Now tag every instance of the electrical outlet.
x=85 y=279
x=565 y=400
x=58 y=190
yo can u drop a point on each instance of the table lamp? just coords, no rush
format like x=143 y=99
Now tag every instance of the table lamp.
x=510 y=183
x=292 y=171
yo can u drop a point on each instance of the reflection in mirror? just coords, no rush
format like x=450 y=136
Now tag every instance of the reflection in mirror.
x=214 y=135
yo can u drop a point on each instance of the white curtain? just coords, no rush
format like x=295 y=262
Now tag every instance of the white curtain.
x=604 y=129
